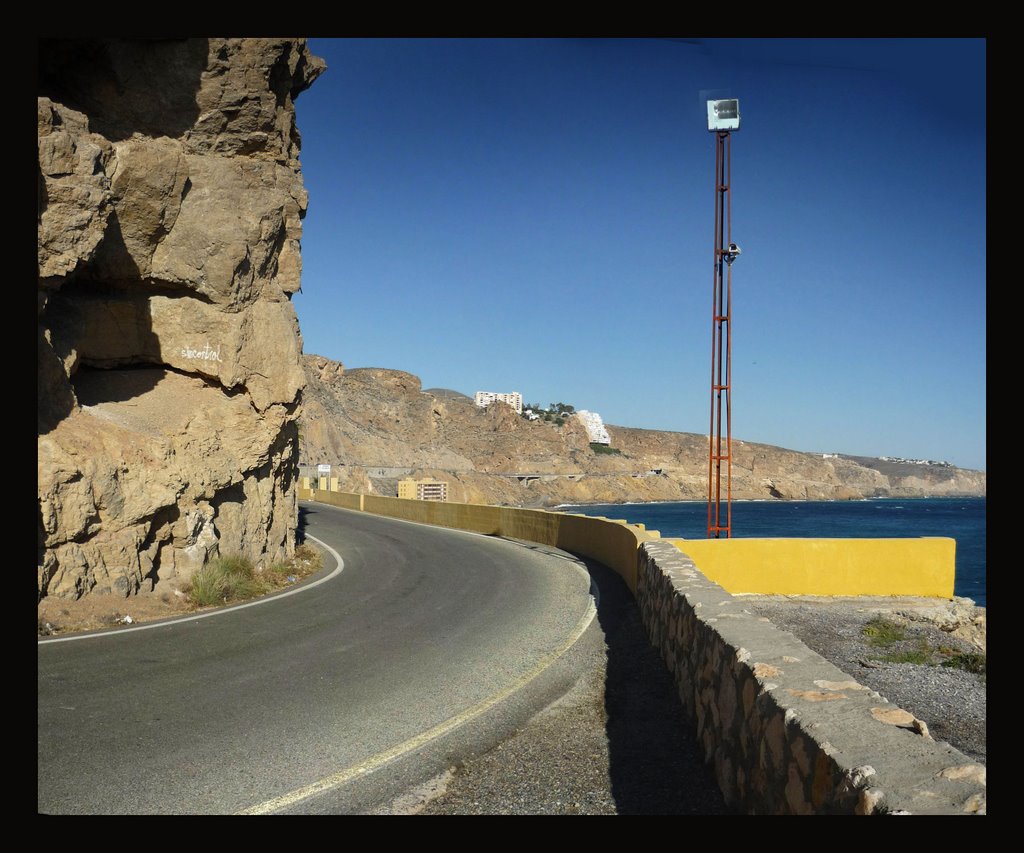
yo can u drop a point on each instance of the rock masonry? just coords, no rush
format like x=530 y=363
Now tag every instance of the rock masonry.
x=786 y=731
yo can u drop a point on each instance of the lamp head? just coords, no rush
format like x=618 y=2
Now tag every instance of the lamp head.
x=724 y=115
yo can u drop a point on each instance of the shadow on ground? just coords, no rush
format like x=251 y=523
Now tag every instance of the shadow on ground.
x=655 y=763
x=300 y=530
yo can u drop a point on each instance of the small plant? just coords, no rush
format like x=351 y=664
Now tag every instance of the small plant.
x=224 y=580
x=921 y=655
x=902 y=646
x=233 y=578
x=604 y=448
x=307 y=558
x=882 y=632
x=967 y=661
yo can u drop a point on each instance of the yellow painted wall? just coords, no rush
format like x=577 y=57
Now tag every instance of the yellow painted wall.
x=924 y=567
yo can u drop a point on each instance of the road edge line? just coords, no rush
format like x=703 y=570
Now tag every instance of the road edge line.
x=338 y=569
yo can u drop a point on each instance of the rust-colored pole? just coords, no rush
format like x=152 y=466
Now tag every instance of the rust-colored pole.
x=721 y=346
x=728 y=351
x=716 y=277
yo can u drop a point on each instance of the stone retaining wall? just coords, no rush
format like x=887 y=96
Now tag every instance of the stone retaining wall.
x=786 y=731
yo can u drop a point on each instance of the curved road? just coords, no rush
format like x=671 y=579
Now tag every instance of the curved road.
x=330 y=700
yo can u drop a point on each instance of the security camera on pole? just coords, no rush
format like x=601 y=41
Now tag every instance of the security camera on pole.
x=723 y=118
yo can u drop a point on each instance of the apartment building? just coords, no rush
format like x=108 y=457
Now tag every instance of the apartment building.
x=594 y=426
x=484 y=398
x=423 y=490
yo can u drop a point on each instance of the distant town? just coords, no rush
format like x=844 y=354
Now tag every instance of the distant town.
x=900 y=459
x=556 y=413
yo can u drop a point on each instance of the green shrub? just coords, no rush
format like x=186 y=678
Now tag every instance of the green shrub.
x=224 y=580
x=234 y=578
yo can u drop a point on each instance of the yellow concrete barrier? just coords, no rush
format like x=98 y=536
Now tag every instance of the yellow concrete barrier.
x=342 y=499
x=614 y=543
x=921 y=567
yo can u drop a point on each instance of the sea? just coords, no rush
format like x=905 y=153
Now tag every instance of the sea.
x=962 y=519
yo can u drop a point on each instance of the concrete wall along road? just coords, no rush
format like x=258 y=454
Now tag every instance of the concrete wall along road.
x=339 y=499
x=786 y=731
x=613 y=543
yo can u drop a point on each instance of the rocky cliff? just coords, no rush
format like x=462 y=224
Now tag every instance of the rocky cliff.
x=377 y=425
x=169 y=372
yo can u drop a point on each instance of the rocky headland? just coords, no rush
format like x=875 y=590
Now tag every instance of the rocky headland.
x=169 y=372
x=374 y=426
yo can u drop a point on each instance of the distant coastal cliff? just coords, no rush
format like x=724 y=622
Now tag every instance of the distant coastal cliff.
x=375 y=426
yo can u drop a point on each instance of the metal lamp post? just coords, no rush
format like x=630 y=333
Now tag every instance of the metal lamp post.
x=723 y=118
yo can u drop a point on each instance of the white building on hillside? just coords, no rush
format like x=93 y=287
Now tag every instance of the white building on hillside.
x=514 y=399
x=594 y=426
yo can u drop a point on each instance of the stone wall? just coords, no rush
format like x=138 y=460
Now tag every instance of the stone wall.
x=169 y=372
x=785 y=730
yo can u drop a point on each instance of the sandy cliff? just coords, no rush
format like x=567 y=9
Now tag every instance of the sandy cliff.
x=170 y=200
x=376 y=425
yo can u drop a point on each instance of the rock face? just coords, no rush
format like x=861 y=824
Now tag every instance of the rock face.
x=169 y=376
x=378 y=425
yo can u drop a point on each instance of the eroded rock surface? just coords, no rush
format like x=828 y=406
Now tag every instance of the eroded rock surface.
x=170 y=207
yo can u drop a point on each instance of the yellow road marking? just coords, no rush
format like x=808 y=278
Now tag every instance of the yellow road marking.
x=382 y=758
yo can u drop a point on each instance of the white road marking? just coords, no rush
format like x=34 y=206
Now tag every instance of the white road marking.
x=382 y=758
x=266 y=600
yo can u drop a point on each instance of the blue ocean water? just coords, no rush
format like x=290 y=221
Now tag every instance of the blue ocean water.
x=962 y=519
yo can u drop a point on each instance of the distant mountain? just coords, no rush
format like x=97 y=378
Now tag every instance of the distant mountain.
x=446 y=394
x=377 y=425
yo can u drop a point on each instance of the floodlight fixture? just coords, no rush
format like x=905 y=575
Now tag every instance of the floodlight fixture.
x=724 y=115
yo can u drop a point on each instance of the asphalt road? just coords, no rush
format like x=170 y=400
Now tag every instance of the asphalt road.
x=429 y=645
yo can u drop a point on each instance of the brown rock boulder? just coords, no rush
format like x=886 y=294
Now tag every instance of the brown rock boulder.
x=170 y=207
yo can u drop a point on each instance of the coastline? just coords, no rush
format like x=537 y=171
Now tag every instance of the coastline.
x=702 y=502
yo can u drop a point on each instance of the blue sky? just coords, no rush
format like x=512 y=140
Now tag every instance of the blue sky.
x=537 y=216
